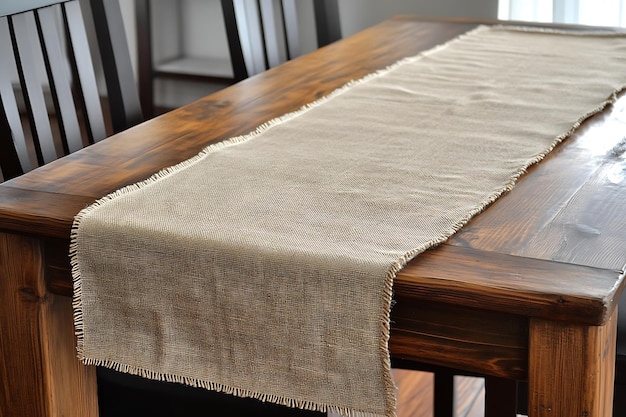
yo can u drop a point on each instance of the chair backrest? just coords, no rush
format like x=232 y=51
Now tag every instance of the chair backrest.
x=52 y=55
x=269 y=30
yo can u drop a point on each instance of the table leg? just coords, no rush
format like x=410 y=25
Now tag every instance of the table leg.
x=500 y=397
x=40 y=375
x=444 y=405
x=571 y=369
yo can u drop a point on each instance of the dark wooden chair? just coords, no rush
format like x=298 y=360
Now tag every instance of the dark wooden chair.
x=52 y=105
x=260 y=35
x=51 y=102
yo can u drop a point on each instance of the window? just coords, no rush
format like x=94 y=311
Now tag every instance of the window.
x=585 y=12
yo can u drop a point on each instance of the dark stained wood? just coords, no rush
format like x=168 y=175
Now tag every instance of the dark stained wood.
x=326 y=16
x=327 y=23
x=574 y=218
x=10 y=119
x=25 y=44
x=136 y=154
x=511 y=284
x=237 y=62
x=83 y=72
x=117 y=68
x=146 y=67
x=451 y=335
x=588 y=392
x=58 y=73
x=144 y=56
x=57 y=266
x=500 y=397
x=9 y=156
x=39 y=374
x=443 y=397
x=49 y=47
x=536 y=274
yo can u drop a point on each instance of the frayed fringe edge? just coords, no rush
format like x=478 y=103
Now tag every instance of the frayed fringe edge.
x=538 y=158
x=394 y=269
x=238 y=392
x=390 y=396
x=508 y=186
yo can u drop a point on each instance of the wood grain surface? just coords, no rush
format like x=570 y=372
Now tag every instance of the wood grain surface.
x=550 y=215
x=543 y=262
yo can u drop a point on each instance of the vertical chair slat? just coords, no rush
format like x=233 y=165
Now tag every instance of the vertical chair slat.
x=50 y=101
x=9 y=159
x=246 y=16
x=327 y=21
x=237 y=60
x=14 y=157
x=59 y=77
x=9 y=7
x=292 y=34
x=144 y=56
x=83 y=71
x=25 y=43
x=122 y=90
x=274 y=32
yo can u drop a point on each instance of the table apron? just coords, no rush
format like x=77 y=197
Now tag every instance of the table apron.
x=468 y=339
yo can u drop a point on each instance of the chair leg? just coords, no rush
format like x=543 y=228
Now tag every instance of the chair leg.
x=444 y=394
x=500 y=397
x=522 y=398
x=144 y=57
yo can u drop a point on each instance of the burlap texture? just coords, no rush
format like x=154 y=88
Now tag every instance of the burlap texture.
x=264 y=266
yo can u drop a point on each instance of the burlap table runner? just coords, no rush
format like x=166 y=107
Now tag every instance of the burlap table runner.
x=264 y=266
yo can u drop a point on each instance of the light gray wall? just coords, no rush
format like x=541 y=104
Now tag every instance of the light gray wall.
x=201 y=29
x=128 y=14
x=13 y=6
x=196 y=28
x=356 y=15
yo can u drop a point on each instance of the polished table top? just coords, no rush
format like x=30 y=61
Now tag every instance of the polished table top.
x=552 y=250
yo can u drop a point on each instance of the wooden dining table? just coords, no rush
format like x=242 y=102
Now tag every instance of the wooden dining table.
x=527 y=290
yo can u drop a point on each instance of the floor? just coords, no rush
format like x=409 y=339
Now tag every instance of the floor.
x=123 y=395
x=415 y=393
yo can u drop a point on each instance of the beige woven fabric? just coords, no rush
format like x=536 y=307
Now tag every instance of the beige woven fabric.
x=264 y=266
